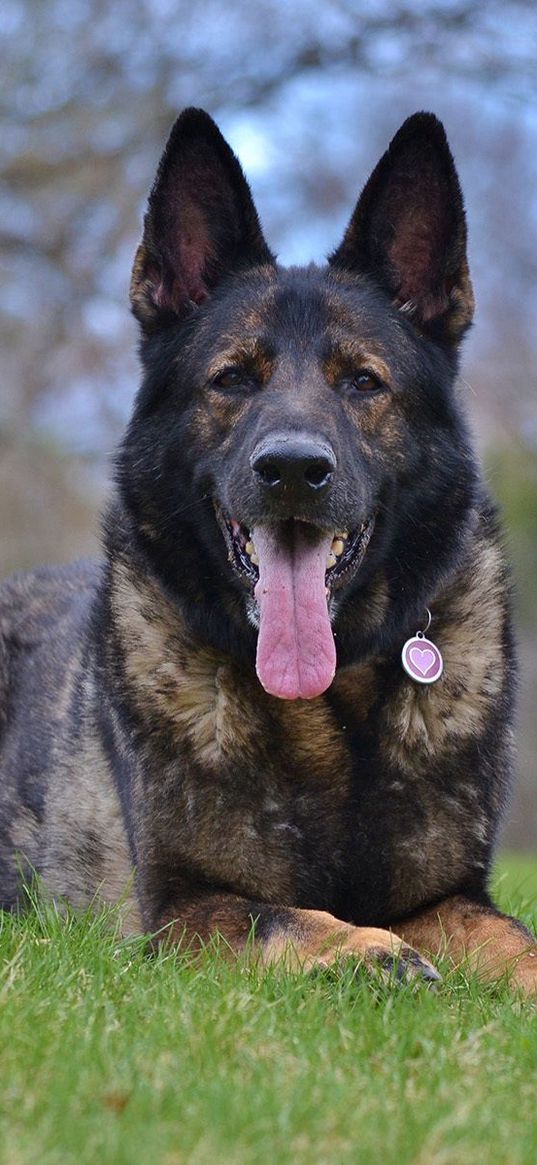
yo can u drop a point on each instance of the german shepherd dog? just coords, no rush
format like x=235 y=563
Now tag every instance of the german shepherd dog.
x=215 y=727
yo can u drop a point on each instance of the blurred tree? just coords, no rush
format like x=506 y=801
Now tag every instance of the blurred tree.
x=92 y=89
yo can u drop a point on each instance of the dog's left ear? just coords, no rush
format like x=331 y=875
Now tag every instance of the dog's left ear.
x=201 y=224
x=408 y=231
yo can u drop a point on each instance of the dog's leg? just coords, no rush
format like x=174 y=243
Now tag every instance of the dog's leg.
x=492 y=943
x=289 y=936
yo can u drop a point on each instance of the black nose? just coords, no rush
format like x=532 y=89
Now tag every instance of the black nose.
x=282 y=462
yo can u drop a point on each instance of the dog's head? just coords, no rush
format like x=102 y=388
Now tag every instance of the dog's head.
x=296 y=441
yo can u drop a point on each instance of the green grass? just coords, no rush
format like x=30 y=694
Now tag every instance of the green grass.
x=107 y=1056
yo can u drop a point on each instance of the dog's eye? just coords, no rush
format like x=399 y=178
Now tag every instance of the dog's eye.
x=231 y=378
x=362 y=381
x=365 y=381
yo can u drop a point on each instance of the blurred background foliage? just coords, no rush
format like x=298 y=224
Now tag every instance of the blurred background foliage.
x=308 y=95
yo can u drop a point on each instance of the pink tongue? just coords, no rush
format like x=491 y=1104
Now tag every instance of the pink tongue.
x=296 y=653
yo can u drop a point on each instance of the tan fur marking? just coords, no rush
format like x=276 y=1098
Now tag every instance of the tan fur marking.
x=307 y=938
x=422 y=720
x=243 y=353
x=220 y=709
x=140 y=286
x=423 y=723
x=355 y=687
x=319 y=939
x=352 y=359
x=200 y=921
x=195 y=690
x=315 y=740
x=380 y=417
x=461 y=303
x=213 y=420
x=493 y=945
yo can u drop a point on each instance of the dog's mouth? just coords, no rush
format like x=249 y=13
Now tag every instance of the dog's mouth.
x=293 y=569
x=343 y=559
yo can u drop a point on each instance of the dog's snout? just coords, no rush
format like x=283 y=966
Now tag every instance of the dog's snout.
x=293 y=462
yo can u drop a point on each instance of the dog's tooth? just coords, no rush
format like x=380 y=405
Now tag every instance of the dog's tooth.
x=338 y=547
x=344 y=534
x=331 y=560
x=254 y=559
x=250 y=549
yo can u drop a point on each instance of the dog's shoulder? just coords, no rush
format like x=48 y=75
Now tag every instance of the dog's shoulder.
x=41 y=614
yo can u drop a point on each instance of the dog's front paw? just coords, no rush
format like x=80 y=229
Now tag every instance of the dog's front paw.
x=402 y=965
x=379 y=951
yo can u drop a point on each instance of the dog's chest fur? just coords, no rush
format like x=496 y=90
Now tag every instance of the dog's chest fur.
x=332 y=803
x=300 y=803
x=366 y=801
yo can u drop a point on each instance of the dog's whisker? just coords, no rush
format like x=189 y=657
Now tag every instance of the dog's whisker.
x=176 y=513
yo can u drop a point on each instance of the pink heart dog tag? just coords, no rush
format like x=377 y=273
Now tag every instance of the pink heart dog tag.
x=421 y=659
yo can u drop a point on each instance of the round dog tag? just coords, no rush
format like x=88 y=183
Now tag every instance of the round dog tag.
x=422 y=660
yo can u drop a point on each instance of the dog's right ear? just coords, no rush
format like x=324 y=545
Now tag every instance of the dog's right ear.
x=201 y=224
x=408 y=232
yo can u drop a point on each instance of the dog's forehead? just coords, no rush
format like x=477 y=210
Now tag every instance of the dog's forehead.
x=312 y=308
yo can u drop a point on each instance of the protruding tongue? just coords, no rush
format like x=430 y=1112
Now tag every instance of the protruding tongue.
x=296 y=653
